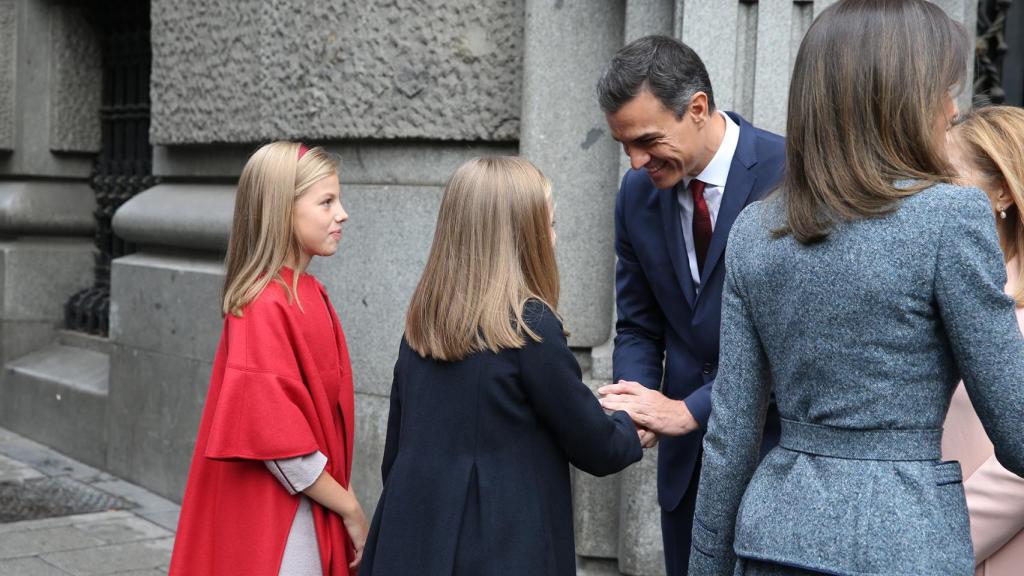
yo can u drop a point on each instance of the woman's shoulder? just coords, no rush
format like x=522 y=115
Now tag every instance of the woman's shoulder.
x=758 y=221
x=952 y=215
x=943 y=198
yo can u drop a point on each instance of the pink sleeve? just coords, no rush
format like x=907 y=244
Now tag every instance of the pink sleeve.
x=995 y=499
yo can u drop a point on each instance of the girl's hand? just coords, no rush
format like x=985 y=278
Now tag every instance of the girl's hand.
x=327 y=492
x=355 y=525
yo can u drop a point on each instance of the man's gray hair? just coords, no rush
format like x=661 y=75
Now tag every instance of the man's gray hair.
x=666 y=67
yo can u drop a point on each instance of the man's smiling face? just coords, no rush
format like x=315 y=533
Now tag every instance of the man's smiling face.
x=656 y=140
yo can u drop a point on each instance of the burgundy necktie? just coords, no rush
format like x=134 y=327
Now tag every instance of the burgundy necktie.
x=701 y=223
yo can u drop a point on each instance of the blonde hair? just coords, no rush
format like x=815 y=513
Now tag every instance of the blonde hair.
x=261 y=233
x=992 y=141
x=491 y=253
x=869 y=80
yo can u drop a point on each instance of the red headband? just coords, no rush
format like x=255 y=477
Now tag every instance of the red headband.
x=302 y=150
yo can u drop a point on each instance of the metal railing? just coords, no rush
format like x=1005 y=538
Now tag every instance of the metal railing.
x=124 y=166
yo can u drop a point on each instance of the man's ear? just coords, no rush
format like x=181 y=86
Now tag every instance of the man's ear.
x=699 y=107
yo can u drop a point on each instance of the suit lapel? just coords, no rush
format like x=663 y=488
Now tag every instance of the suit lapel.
x=738 y=188
x=674 y=238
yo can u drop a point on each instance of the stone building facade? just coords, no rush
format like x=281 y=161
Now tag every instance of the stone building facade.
x=173 y=99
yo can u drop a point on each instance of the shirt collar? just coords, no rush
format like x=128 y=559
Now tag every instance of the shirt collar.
x=717 y=171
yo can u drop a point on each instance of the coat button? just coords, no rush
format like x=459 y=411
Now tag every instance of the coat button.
x=708 y=368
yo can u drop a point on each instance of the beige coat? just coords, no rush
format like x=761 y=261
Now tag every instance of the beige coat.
x=995 y=496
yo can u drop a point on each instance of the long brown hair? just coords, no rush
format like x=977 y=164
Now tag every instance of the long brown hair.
x=261 y=233
x=869 y=81
x=992 y=142
x=491 y=253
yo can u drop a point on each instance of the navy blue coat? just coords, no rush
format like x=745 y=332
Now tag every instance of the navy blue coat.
x=661 y=320
x=476 y=462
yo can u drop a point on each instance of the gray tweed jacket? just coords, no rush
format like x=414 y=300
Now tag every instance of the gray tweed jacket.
x=863 y=338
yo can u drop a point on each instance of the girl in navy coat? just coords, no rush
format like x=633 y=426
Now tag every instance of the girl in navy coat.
x=488 y=408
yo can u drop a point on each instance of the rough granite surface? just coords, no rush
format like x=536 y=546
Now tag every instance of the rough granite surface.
x=8 y=41
x=76 y=62
x=244 y=71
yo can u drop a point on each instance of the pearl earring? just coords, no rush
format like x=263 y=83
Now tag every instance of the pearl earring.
x=1002 y=214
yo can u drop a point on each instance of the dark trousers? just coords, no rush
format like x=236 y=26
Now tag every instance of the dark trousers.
x=676 y=528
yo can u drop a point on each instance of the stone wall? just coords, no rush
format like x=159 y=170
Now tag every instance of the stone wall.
x=49 y=90
x=46 y=208
x=77 y=84
x=8 y=22
x=225 y=71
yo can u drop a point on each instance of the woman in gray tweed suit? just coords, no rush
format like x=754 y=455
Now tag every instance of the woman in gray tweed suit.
x=860 y=293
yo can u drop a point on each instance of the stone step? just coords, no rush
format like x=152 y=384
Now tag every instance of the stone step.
x=76 y=339
x=58 y=397
x=69 y=366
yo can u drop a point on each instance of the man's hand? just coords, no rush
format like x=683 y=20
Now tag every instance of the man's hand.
x=648 y=408
x=648 y=439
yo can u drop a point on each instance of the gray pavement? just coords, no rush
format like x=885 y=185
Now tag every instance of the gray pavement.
x=132 y=535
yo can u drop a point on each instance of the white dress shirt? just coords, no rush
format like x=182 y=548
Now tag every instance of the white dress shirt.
x=714 y=176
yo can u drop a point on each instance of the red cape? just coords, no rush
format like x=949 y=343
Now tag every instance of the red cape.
x=267 y=400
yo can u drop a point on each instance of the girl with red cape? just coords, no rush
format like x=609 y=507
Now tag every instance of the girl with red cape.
x=268 y=492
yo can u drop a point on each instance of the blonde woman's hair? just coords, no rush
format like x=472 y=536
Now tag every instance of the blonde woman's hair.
x=491 y=253
x=992 y=140
x=261 y=234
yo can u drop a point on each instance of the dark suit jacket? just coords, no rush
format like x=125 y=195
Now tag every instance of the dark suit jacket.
x=476 y=462
x=661 y=319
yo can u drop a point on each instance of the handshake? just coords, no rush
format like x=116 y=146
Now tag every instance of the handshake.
x=653 y=413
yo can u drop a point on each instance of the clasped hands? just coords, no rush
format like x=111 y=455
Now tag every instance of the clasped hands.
x=653 y=413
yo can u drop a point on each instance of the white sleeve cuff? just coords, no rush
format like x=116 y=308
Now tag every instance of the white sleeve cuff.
x=297 y=474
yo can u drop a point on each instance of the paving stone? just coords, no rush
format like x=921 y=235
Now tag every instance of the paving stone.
x=20 y=448
x=29 y=567
x=121 y=530
x=62 y=521
x=45 y=460
x=168 y=519
x=118 y=487
x=13 y=471
x=55 y=539
x=101 y=477
x=143 y=555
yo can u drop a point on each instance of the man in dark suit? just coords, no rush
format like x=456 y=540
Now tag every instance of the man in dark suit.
x=694 y=169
